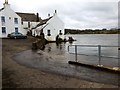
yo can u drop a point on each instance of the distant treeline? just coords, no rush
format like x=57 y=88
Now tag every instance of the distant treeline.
x=90 y=31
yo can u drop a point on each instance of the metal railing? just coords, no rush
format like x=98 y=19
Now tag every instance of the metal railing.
x=99 y=55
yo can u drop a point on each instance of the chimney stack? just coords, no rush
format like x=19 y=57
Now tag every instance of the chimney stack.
x=55 y=12
x=6 y=5
x=6 y=1
x=37 y=19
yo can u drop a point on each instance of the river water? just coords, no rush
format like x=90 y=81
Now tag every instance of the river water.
x=54 y=58
x=90 y=54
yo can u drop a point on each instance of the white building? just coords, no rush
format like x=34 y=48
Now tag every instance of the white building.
x=9 y=21
x=51 y=27
x=29 y=20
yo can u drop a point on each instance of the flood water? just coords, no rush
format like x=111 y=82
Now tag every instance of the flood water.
x=89 y=55
x=54 y=58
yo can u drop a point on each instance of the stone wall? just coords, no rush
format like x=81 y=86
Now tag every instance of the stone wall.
x=39 y=43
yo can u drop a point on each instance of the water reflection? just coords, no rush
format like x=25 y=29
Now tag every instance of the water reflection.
x=49 y=49
x=59 y=45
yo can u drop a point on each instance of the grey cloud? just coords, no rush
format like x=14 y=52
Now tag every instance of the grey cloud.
x=77 y=14
x=85 y=14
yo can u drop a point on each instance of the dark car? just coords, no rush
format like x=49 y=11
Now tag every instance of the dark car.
x=17 y=35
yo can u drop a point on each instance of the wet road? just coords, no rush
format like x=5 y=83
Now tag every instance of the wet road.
x=55 y=59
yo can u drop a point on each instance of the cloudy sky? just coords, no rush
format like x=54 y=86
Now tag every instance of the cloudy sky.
x=76 y=14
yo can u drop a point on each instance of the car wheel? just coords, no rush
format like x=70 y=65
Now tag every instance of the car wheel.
x=15 y=37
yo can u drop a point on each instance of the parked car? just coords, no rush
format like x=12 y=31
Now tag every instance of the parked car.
x=17 y=35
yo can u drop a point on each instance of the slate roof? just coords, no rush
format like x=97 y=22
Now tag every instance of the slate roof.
x=28 y=16
x=44 y=21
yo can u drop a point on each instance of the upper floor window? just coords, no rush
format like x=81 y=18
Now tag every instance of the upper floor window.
x=4 y=30
x=9 y=18
x=16 y=20
x=2 y=20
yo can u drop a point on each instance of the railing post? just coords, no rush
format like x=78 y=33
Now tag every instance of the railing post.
x=99 y=54
x=76 y=53
x=68 y=48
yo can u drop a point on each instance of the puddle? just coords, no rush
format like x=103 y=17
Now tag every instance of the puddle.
x=56 y=61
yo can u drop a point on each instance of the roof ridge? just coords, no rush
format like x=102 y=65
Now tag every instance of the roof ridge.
x=44 y=21
x=24 y=13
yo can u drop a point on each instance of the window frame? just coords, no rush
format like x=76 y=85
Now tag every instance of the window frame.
x=60 y=32
x=16 y=20
x=3 y=19
x=16 y=29
x=3 y=30
x=48 y=32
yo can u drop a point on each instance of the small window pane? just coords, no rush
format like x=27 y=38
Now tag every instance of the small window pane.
x=4 y=30
x=49 y=34
x=16 y=29
x=2 y=19
x=16 y=20
x=60 y=32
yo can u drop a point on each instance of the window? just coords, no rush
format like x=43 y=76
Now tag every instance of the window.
x=16 y=20
x=48 y=33
x=4 y=30
x=60 y=32
x=29 y=24
x=9 y=18
x=3 y=20
x=22 y=22
x=16 y=29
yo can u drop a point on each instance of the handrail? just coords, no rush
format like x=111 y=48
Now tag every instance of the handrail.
x=99 y=50
x=95 y=45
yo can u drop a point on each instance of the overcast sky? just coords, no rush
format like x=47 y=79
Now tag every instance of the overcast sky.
x=76 y=14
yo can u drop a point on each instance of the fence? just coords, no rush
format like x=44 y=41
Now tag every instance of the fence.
x=99 y=51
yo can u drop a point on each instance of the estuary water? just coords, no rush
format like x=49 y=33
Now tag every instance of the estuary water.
x=54 y=58
x=89 y=54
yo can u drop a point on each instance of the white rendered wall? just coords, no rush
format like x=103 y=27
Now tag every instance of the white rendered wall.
x=54 y=25
x=9 y=15
x=32 y=24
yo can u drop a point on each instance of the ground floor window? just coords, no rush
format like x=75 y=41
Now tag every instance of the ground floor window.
x=60 y=32
x=16 y=29
x=29 y=24
x=4 y=30
x=48 y=33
